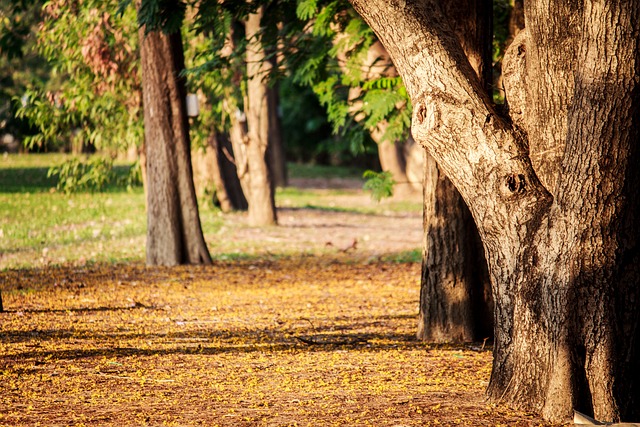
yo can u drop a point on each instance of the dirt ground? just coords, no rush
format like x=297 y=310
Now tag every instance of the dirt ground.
x=324 y=336
x=383 y=230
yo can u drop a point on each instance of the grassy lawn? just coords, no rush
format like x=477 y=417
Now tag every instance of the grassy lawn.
x=39 y=225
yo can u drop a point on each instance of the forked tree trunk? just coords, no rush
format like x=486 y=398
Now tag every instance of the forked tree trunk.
x=174 y=234
x=260 y=194
x=455 y=292
x=563 y=249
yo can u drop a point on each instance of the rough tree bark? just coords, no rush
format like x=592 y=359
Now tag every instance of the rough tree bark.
x=455 y=292
x=557 y=211
x=174 y=234
x=260 y=191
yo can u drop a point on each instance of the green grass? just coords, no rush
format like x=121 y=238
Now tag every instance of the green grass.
x=342 y=200
x=414 y=255
x=297 y=170
x=39 y=225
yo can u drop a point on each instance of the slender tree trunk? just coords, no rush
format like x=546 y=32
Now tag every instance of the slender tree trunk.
x=174 y=234
x=226 y=178
x=207 y=175
x=260 y=193
x=563 y=249
x=455 y=296
x=239 y=141
x=276 y=153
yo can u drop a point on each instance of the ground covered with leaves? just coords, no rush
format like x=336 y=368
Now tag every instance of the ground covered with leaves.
x=287 y=341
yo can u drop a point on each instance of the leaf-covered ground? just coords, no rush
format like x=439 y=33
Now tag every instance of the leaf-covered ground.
x=291 y=341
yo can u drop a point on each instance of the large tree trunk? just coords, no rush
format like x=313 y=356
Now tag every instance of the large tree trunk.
x=562 y=249
x=174 y=234
x=260 y=194
x=455 y=296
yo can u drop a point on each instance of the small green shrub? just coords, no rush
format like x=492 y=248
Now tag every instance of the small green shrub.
x=75 y=175
x=379 y=183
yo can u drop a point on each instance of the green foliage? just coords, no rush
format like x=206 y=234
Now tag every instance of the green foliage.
x=16 y=21
x=304 y=123
x=379 y=183
x=213 y=72
x=307 y=9
x=377 y=104
x=94 y=56
x=95 y=174
x=335 y=69
x=20 y=65
x=75 y=175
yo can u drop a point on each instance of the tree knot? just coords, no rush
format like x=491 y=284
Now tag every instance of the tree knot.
x=425 y=115
x=515 y=184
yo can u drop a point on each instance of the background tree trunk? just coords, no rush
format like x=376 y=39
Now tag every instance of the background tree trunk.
x=239 y=141
x=228 y=172
x=174 y=234
x=215 y=174
x=260 y=194
x=455 y=290
x=276 y=152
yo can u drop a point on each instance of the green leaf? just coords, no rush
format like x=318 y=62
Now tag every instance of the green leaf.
x=307 y=9
x=379 y=183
